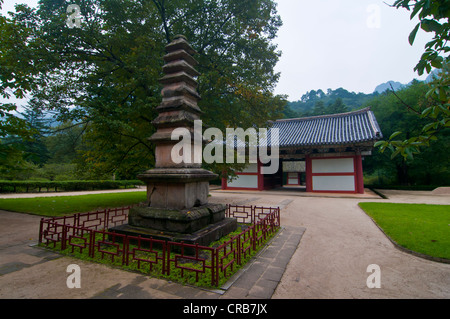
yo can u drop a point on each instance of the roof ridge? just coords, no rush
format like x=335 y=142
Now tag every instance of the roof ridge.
x=337 y=115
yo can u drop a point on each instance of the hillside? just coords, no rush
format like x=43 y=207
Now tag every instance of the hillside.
x=333 y=101
x=336 y=101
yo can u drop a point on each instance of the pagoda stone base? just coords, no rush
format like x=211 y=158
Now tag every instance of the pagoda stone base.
x=177 y=188
x=202 y=225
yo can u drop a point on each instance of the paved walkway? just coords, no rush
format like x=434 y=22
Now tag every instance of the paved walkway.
x=322 y=252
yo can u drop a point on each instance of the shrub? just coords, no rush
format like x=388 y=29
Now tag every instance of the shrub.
x=28 y=186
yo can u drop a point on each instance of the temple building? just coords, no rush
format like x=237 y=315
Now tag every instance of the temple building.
x=322 y=153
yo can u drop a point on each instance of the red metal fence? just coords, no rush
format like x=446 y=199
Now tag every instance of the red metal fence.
x=87 y=233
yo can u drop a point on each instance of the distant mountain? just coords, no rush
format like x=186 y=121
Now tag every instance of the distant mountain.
x=432 y=75
x=398 y=86
x=387 y=86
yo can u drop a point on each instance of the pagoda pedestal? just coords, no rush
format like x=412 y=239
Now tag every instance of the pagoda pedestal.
x=177 y=207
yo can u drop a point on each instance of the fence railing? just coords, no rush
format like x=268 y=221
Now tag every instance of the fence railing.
x=88 y=233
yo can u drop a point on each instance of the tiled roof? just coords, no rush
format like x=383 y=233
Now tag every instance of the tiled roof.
x=336 y=129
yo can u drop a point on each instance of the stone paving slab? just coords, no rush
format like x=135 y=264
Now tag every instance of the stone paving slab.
x=31 y=272
x=260 y=279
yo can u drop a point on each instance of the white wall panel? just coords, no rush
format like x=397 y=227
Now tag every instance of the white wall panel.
x=247 y=181
x=294 y=166
x=292 y=178
x=251 y=168
x=333 y=183
x=333 y=165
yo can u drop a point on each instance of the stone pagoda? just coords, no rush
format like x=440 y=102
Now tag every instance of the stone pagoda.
x=177 y=207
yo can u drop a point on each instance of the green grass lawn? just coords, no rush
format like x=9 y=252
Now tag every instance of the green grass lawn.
x=418 y=227
x=67 y=205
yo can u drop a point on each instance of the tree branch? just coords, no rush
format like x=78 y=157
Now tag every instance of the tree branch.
x=134 y=137
x=162 y=11
x=70 y=126
x=123 y=157
x=403 y=102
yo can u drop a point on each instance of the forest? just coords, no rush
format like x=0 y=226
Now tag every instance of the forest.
x=93 y=87
x=317 y=102
x=96 y=82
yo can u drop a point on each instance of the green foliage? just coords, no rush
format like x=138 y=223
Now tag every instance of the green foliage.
x=288 y=113
x=13 y=163
x=65 y=185
x=104 y=75
x=333 y=101
x=433 y=18
x=431 y=166
x=64 y=142
x=15 y=79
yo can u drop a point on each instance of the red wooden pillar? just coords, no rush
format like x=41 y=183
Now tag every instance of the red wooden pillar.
x=224 y=181
x=308 y=164
x=359 y=174
x=260 y=177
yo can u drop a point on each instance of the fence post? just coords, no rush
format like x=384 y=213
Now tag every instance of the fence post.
x=217 y=266
x=168 y=259
x=41 y=226
x=106 y=216
x=265 y=221
x=213 y=272
x=253 y=214
x=64 y=237
x=238 y=243
x=277 y=212
x=164 y=248
x=125 y=251
x=254 y=236
x=91 y=243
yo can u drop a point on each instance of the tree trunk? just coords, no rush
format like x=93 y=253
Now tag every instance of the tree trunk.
x=402 y=173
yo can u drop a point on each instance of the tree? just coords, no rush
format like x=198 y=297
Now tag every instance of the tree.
x=288 y=113
x=63 y=143
x=337 y=107
x=34 y=148
x=428 y=167
x=319 y=108
x=433 y=18
x=104 y=74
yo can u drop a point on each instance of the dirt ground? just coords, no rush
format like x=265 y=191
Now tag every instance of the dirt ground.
x=331 y=261
x=339 y=244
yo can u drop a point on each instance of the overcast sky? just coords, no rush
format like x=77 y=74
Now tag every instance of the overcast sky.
x=353 y=44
